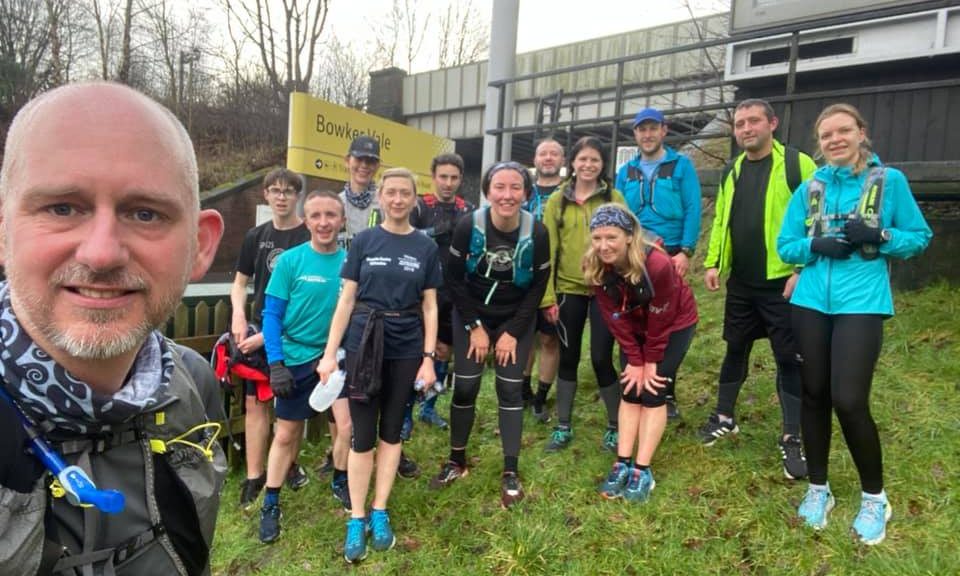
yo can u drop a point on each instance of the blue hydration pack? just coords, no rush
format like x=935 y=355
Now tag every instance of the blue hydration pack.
x=522 y=254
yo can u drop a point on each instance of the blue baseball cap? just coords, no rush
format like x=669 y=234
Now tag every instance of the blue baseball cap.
x=648 y=114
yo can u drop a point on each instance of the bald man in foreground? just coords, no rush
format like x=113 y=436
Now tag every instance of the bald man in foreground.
x=101 y=231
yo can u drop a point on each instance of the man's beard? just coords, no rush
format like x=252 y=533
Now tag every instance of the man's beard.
x=104 y=339
x=547 y=173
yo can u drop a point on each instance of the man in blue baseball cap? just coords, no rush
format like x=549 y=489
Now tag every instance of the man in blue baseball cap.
x=661 y=187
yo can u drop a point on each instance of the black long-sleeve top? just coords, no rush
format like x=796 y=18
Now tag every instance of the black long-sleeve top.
x=510 y=305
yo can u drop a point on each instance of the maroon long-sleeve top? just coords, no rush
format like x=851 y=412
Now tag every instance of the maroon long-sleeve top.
x=643 y=329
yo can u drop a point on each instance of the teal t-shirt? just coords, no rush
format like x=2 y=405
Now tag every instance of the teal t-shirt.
x=310 y=284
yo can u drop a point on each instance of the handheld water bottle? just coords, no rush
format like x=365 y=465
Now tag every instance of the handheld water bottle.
x=420 y=385
x=80 y=490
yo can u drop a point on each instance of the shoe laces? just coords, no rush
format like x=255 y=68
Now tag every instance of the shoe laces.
x=380 y=521
x=792 y=448
x=872 y=509
x=511 y=484
x=355 y=532
x=271 y=511
x=817 y=498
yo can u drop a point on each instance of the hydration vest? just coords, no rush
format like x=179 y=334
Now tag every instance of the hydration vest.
x=176 y=448
x=820 y=223
x=664 y=170
x=430 y=200
x=522 y=253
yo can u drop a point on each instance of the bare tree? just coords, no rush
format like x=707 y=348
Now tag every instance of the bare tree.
x=464 y=35
x=24 y=49
x=123 y=71
x=344 y=76
x=401 y=32
x=286 y=39
x=112 y=21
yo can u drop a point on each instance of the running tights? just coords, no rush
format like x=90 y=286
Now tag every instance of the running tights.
x=839 y=355
x=509 y=386
x=574 y=309
x=733 y=373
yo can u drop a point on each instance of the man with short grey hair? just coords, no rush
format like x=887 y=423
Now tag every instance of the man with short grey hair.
x=102 y=229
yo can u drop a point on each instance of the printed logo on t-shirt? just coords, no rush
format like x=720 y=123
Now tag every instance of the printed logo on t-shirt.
x=313 y=279
x=378 y=260
x=500 y=259
x=409 y=263
x=272 y=257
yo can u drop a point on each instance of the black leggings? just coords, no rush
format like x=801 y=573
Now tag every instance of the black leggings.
x=509 y=386
x=839 y=355
x=385 y=409
x=574 y=309
x=677 y=347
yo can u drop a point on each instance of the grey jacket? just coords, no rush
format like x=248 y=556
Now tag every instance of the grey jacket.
x=158 y=532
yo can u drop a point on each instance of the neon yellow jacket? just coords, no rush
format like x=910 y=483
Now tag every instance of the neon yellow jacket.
x=720 y=250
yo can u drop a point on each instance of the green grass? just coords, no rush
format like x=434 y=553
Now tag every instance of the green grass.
x=720 y=510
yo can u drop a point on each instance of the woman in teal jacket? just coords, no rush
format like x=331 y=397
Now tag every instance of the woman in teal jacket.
x=842 y=226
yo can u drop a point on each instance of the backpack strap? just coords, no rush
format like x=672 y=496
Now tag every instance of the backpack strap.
x=815 y=208
x=727 y=170
x=523 y=254
x=871 y=197
x=666 y=169
x=791 y=161
x=478 y=239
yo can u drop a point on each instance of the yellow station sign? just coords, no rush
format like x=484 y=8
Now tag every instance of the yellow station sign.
x=320 y=134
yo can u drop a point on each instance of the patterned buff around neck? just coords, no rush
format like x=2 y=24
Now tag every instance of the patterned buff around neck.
x=359 y=200
x=48 y=393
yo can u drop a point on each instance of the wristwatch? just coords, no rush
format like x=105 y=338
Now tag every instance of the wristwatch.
x=885 y=235
x=470 y=326
x=430 y=355
x=688 y=252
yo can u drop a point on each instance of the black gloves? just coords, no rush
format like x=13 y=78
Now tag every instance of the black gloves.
x=859 y=233
x=281 y=380
x=829 y=246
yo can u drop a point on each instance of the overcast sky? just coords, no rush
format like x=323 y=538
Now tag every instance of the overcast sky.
x=542 y=23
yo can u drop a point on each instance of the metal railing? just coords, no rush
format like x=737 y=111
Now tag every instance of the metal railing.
x=621 y=91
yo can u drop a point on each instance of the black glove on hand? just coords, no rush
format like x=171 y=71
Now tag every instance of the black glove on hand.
x=858 y=232
x=831 y=247
x=281 y=380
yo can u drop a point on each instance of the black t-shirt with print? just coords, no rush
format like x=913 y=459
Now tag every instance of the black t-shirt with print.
x=391 y=272
x=261 y=247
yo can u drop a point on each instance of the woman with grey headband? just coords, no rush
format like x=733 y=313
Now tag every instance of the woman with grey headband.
x=651 y=312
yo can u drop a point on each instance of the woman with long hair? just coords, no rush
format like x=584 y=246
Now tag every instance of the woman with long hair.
x=842 y=226
x=386 y=318
x=568 y=298
x=497 y=272
x=651 y=312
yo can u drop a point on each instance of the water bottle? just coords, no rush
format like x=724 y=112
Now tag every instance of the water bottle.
x=420 y=385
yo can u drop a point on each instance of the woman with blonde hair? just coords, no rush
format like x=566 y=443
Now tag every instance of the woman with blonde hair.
x=386 y=318
x=842 y=226
x=651 y=312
